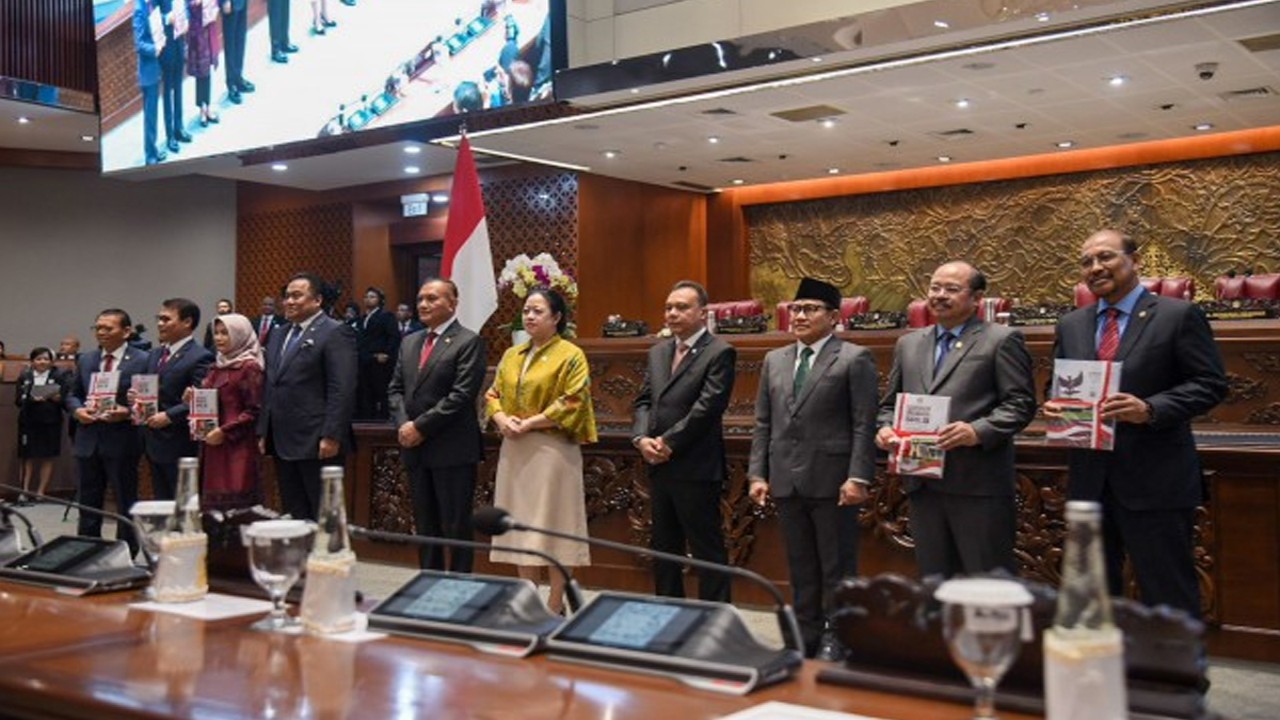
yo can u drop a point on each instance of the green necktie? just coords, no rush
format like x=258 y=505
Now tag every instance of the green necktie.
x=802 y=371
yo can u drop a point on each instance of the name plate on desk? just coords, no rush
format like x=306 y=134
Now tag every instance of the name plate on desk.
x=1033 y=315
x=879 y=320
x=701 y=644
x=1241 y=309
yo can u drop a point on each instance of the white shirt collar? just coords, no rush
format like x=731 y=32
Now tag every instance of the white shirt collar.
x=175 y=346
x=443 y=326
x=817 y=346
x=307 y=323
x=693 y=339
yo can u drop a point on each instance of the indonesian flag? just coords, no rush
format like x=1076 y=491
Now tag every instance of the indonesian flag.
x=468 y=261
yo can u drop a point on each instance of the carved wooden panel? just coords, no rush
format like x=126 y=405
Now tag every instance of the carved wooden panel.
x=1197 y=218
x=273 y=245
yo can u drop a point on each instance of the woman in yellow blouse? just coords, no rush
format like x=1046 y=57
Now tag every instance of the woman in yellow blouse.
x=541 y=403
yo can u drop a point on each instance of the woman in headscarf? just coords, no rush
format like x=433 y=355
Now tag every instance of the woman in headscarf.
x=229 y=454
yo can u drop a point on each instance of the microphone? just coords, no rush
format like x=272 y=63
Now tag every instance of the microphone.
x=137 y=529
x=572 y=593
x=8 y=511
x=496 y=521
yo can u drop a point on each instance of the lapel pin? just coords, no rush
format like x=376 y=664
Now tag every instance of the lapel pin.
x=1142 y=314
x=448 y=340
x=959 y=343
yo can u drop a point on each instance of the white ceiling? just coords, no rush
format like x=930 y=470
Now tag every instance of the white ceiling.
x=1057 y=89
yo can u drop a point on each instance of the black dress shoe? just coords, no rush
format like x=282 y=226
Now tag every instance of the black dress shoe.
x=161 y=156
x=328 y=23
x=279 y=56
x=204 y=121
x=349 y=3
x=234 y=97
x=247 y=87
x=291 y=48
x=214 y=119
x=173 y=146
x=317 y=30
x=182 y=136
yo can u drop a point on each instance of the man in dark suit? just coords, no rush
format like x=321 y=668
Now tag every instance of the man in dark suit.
x=148 y=77
x=813 y=449
x=181 y=363
x=106 y=444
x=308 y=396
x=965 y=522
x=235 y=29
x=406 y=322
x=376 y=341
x=678 y=430
x=1171 y=372
x=433 y=392
x=278 y=28
x=267 y=320
x=173 y=63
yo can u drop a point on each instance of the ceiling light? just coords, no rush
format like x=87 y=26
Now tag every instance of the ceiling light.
x=412 y=169
x=713 y=139
x=24 y=120
x=635 y=91
x=828 y=123
x=279 y=167
x=1117 y=80
x=941 y=24
x=440 y=198
x=1064 y=144
x=412 y=149
x=833 y=171
x=944 y=158
x=87 y=138
x=962 y=103
x=815 y=59
x=738 y=181
x=611 y=153
x=1042 y=17
x=1202 y=126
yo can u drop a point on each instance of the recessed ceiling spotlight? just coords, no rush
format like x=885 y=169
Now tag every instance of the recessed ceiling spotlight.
x=87 y=138
x=1020 y=126
x=893 y=143
x=713 y=139
x=412 y=149
x=611 y=153
x=833 y=171
x=659 y=145
x=412 y=169
x=962 y=103
x=1202 y=126
x=827 y=123
x=738 y=181
x=1064 y=144
x=1042 y=17
x=941 y=24
x=440 y=198
x=944 y=158
x=815 y=59
x=1117 y=80
x=23 y=120
x=635 y=91
x=279 y=167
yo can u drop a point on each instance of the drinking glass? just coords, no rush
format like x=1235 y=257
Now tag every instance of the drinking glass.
x=152 y=517
x=984 y=621
x=278 y=551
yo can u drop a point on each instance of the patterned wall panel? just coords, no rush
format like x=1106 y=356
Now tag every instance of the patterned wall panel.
x=272 y=245
x=1198 y=218
x=528 y=215
x=49 y=42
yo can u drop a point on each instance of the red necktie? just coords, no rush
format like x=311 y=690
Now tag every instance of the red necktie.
x=262 y=331
x=426 y=350
x=164 y=358
x=108 y=362
x=1110 y=335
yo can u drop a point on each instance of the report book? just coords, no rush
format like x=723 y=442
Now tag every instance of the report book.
x=1079 y=387
x=916 y=421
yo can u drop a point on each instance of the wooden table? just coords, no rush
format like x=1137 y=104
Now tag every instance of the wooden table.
x=63 y=657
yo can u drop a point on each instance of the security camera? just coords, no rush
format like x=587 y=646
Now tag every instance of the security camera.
x=1206 y=70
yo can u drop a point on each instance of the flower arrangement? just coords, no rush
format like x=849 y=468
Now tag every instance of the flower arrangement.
x=522 y=274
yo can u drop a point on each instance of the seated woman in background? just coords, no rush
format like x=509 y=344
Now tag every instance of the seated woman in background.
x=229 y=454
x=41 y=387
x=541 y=403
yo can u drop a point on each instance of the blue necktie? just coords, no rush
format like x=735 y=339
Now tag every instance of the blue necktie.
x=945 y=340
x=295 y=332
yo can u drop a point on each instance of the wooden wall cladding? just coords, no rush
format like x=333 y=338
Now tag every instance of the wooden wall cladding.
x=273 y=244
x=49 y=42
x=1200 y=218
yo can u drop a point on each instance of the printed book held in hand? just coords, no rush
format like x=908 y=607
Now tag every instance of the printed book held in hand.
x=1079 y=387
x=203 y=415
x=916 y=421
x=146 y=397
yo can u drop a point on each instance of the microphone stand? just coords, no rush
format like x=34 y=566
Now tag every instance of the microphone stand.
x=496 y=521
x=572 y=592
x=137 y=529
x=6 y=525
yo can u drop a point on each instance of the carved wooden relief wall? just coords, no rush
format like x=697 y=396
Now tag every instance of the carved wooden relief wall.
x=1199 y=218
x=275 y=244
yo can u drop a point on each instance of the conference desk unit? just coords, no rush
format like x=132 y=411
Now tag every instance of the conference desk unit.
x=95 y=657
x=1238 y=529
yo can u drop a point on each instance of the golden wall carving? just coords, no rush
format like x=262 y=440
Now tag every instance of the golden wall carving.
x=1198 y=218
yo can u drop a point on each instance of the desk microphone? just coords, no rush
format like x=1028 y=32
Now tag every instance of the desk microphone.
x=10 y=547
x=572 y=593
x=496 y=521
x=139 y=533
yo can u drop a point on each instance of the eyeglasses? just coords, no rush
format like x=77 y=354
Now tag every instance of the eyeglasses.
x=936 y=289
x=806 y=308
x=1106 y=257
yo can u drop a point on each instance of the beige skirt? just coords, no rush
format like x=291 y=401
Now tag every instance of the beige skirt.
x=540 y=483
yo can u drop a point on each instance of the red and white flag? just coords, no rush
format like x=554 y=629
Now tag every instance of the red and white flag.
x=468 y=262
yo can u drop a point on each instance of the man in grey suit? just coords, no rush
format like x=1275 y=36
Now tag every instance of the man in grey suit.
x=308 y=397
x=432 y=396
x=966 y=521
x=678 y=430
x=1150 y=484
x=813 y=448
